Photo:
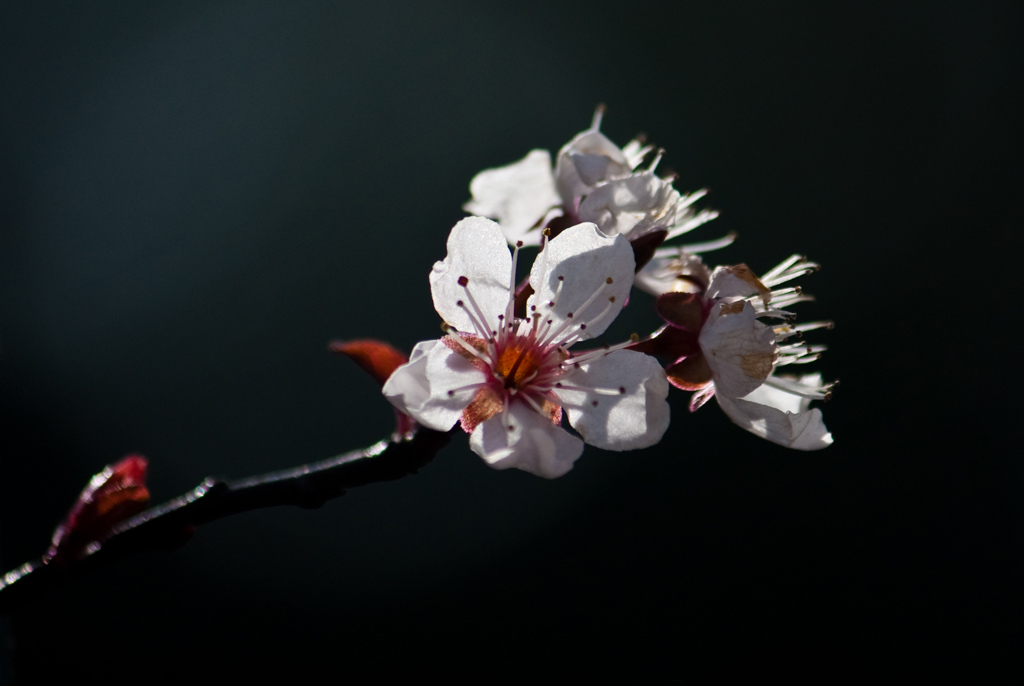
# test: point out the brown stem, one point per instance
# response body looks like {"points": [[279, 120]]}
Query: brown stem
{"points": [[170, 525]]}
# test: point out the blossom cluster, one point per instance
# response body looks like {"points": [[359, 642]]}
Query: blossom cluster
{"points": [[592, 180], [508, 379], [504, 370]]}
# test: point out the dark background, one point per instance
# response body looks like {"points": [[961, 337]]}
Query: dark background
{"points": [[195, 197]]}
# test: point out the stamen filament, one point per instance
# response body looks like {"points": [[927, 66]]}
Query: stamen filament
{"points": [[694, 248], [592, 355], [578, 333], [802, 359], [532, 403], [702, 217], [595, 390], [792, 268], [785, 297], [545, 239], [690, 198], [467, 387], [811, 392], [486, 332], [657, 160], [468, 348], [811, 326], [776, 314], [558, 292], [594, 296], [799, 349], [780, 268], [510, 308]]}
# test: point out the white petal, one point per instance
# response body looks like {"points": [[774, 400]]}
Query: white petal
{"points": [[790, 393], [585, 161], [656, 277], [802, 431], [728, 283], [408, 388], [778, 398], [523, 439], [476, 250], [517, 195], [624, 421], [419, 388], [586, 259], [661, 275], [634, 204], [739, 349]]}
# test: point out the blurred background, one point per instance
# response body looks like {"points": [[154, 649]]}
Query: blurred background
{"points": [[196, 197]]}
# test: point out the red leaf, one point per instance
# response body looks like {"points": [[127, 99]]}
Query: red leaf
{"points": [[113, 495], [377, 358]]}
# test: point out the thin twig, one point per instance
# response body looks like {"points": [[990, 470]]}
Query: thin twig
{"points": [[170, 525]]}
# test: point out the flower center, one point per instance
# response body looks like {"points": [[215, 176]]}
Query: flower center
{"points": [[519, 362]]}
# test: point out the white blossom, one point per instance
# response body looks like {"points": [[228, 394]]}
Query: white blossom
{"points": [[508, 380], [718, 344], [593, 180], [779, 411], [519, 196], [590, 159]]}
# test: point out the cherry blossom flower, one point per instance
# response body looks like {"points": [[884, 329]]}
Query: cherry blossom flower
{"points": [[521, 196], [509, 380], [717, 345], [593, 180], [779, 411]]}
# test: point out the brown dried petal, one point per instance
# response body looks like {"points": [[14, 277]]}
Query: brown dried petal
{"points": [[683, 310], [690, 374], [669, 344]]}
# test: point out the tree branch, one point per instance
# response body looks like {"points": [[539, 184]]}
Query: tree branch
{"points": [[171, 525]]}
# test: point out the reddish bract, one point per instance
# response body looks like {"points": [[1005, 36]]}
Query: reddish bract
{"points": [[379, 360], [113, 495], [376, 358]]}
